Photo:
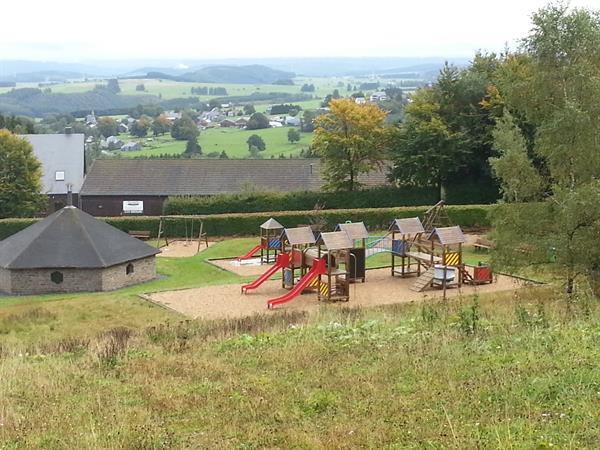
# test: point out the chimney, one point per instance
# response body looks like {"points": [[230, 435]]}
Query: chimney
{"points": [[69, 194], [68, 130]]}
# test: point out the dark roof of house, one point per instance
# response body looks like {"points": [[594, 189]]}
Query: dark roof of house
{"points": [[299, 236], [271, 224], [70, 238], [355, 230], [448, 235], [335, 240], [411, 225], [171, 177]]}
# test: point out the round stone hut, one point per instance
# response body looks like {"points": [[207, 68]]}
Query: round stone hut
{"points": [[71, 251]]}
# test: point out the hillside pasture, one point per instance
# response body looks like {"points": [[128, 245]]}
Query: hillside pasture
{"points": [[231, 140]]}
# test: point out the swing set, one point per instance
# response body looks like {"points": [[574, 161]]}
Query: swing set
{"points": [[192, 225]]}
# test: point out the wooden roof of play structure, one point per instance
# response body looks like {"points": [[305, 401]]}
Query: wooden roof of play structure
{"points": [[355, 230], [271, 224], [411, 225], [448, 235], [335, 240], [299, 236], [70, 238]]}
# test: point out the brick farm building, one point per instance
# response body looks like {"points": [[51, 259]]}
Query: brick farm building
{"points": [[71, 251]]}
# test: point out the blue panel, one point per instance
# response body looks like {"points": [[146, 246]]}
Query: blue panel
{"points": [[399, 247], [274, 243]]}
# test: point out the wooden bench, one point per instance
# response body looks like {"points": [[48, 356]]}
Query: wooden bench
{"points": [[140, 234], [483, 244]]}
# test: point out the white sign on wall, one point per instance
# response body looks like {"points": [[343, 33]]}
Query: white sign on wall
{"points": [[133, 207]]}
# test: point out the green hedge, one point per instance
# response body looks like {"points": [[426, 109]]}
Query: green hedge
{"points": [[467, 216], [300, 201], [384, 197]]}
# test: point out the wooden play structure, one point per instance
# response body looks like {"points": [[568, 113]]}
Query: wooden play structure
{"points": [[291, 260], [311, 265], [407, 261], [435, 258], [358, 234], [335, 248], [193, 227], [436, 217], [440, 254], [270, 243]]}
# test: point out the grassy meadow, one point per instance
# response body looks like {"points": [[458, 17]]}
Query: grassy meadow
{"points": [[231, 140], [109, 370]]}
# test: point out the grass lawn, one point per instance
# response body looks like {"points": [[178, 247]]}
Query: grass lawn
{"points": [[232, 140], [109, 370]]}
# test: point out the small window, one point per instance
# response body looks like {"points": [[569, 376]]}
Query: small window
{"points": [[59, 175], [56, 277], [129, 269]]}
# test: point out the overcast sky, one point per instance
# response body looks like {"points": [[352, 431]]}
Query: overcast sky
{"points": [[78, 31]]}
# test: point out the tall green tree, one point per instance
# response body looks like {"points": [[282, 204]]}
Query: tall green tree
{"points": [[351, 140], [293, 135], [256, 143], [553, 85], [446, 136], [107, 126], [20, 178], [257, 121]]}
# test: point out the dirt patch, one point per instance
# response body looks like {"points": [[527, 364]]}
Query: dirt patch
{"points": [[226, 301], [182, 249]]}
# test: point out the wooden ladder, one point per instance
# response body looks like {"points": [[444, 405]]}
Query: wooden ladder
{"points": [[423, 281]]}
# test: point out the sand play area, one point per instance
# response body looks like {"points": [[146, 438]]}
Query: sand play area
{"points": [[182, 249], [226, 301]]}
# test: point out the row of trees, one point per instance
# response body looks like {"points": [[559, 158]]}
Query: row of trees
{"points": [[527, 120]]}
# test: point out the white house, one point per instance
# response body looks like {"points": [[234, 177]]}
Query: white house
{"points": [[378, 96], [63, 164], [292, 121]]}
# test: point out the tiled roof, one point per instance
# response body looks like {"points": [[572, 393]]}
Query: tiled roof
{"points": [[70, 238], [448, 235], [299, 236], [271, 224], [355, 230], [335, 240], [411, 225], [206, 176]]}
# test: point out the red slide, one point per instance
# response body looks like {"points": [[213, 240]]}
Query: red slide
{"points": [[251, 253], [317, 269], [283, 260]]}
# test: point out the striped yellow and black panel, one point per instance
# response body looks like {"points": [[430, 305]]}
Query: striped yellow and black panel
{"points": [[313, 283], [324, 288], [452, 259]]}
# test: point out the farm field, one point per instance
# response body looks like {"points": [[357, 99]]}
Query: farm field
{"points": [[109, 370], [231, 140]]}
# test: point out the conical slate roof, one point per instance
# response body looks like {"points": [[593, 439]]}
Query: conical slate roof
{"points": [[70, 238]]}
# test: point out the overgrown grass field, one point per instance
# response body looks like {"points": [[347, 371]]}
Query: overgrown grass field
{"points": [[108, 370]]}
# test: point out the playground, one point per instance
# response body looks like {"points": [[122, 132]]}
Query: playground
{"points": [[299, 269], [225, 301]]}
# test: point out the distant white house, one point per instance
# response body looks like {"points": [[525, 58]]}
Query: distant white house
{"points": [[378, 96], [114, 143], [360, 100], [275, 124], [172, 116], [63, 164], [292, 121], [123, 128], [131, 146]]}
